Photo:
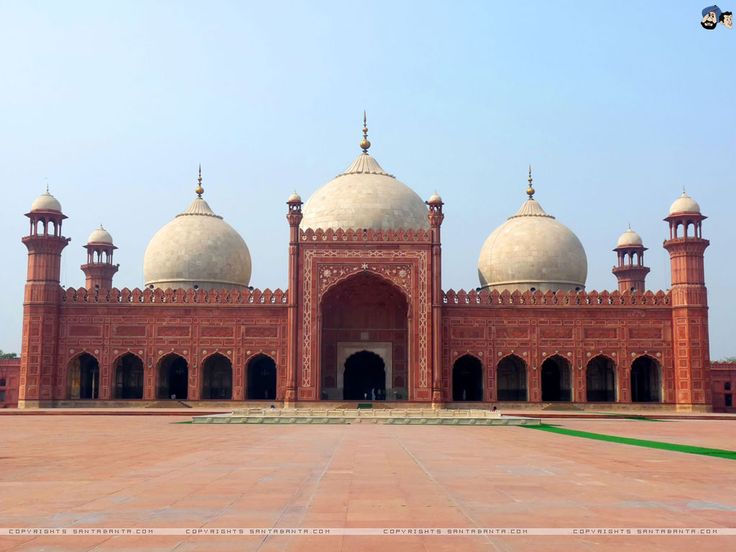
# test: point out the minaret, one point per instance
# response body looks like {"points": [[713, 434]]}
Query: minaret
{"points": [[630, 269], [99, 269], [294, 216], [41, 301], [686, 247], [435, 215]]}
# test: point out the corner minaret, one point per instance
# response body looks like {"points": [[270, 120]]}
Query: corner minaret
{"points": [[686, 247], [41, 301], [99, 269], [294, 216], [630, 269]]}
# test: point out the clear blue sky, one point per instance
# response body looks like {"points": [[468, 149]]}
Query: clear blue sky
{"points": [[616, 105]]}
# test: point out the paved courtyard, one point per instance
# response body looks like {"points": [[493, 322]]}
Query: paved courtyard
{"points": [[151, 471]]}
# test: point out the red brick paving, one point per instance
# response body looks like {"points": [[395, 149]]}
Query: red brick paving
{"points": [[147, 471]]}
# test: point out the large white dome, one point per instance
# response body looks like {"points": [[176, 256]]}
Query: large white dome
{"points": [[197, 249], [532, 250], [365, 196], [684, 204]]}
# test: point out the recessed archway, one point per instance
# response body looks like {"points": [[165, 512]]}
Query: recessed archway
{"points": [[511, 379], [364, 312], [646, 380], [364, 377], [261, 374], [556, 379], [84, 377], [600, 379], [129, 377], [217, 378], [467, 379], [173, 377]]}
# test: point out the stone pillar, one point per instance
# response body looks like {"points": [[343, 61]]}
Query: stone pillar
{"points": [[294, 216], [436, 217]]}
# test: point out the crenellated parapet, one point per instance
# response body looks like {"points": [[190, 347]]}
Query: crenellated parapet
{"points": [[365, 235], [559, 298], [176, 296]]}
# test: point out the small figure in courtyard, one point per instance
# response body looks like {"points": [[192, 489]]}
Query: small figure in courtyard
{"points": [[494, 409]]}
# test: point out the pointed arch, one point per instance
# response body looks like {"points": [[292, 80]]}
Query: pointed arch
{"points": [[172, 377], [556, 379], [511, 379], [600, 379], [646, 379], [217, 377], [128, 370], [83, 377], [467, 378], [260, 377]]}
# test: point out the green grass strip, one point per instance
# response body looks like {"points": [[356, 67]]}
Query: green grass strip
{"points": [[716, 453]]}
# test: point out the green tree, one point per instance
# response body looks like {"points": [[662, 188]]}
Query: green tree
{"points": [[728, 359], [7, 355]]}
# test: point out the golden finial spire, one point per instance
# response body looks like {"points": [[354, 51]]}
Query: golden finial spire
{"points": [[530, 190], [365, 143], [199, 190]]}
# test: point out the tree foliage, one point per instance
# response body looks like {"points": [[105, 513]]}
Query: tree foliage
{"points": [[3, 354]]}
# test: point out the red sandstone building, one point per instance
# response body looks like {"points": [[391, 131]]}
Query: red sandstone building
{"points": [[365, 316]]}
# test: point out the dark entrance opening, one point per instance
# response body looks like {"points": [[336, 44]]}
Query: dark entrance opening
{"points": [[645, 380], [600, 379], [556, 379], [365, 377], [173, 377], [467, 379], [84, 377], [217, 378], [261, 378], [511, 379], [129, 377]]}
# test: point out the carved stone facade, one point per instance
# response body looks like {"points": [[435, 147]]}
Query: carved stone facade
{"points": [[378, 290]]}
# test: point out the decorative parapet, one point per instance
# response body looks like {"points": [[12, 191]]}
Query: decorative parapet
{"points": [[560, 298], [365, 235], [176, 296]]}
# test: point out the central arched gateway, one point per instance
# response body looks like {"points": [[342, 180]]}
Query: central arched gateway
{"points": [[364, 377], [129, 377], [364, 314], [261, 378], [217, 377], [556, 379]]}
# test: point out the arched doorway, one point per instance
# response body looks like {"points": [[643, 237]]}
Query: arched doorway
{"points": [[600, 379], [217, 377], [365, 377], [364, 312], [129, 377], [173, 377], [511, 379], [646, 380], [467, 379], [556, 379], [261, 378], [84, 377]]}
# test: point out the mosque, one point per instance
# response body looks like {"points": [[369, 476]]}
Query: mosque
{"points": [[365, 317]]}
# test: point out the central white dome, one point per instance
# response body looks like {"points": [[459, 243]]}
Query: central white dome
{"points": [[365, 196], [197, 250], [532, 250]]}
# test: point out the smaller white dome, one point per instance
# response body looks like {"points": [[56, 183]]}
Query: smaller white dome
{"points": [[684, 204], [435, 198], [294, 198], [46, 202], [100, 235], [629, 238]]}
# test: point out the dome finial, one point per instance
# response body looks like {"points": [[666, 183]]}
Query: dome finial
{"points": [[530, 190], [199, 190], [365, 143]]}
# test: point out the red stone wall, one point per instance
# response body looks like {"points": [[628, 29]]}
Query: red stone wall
{"points": [[577, 326], [723, 381], [9, 382]]}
